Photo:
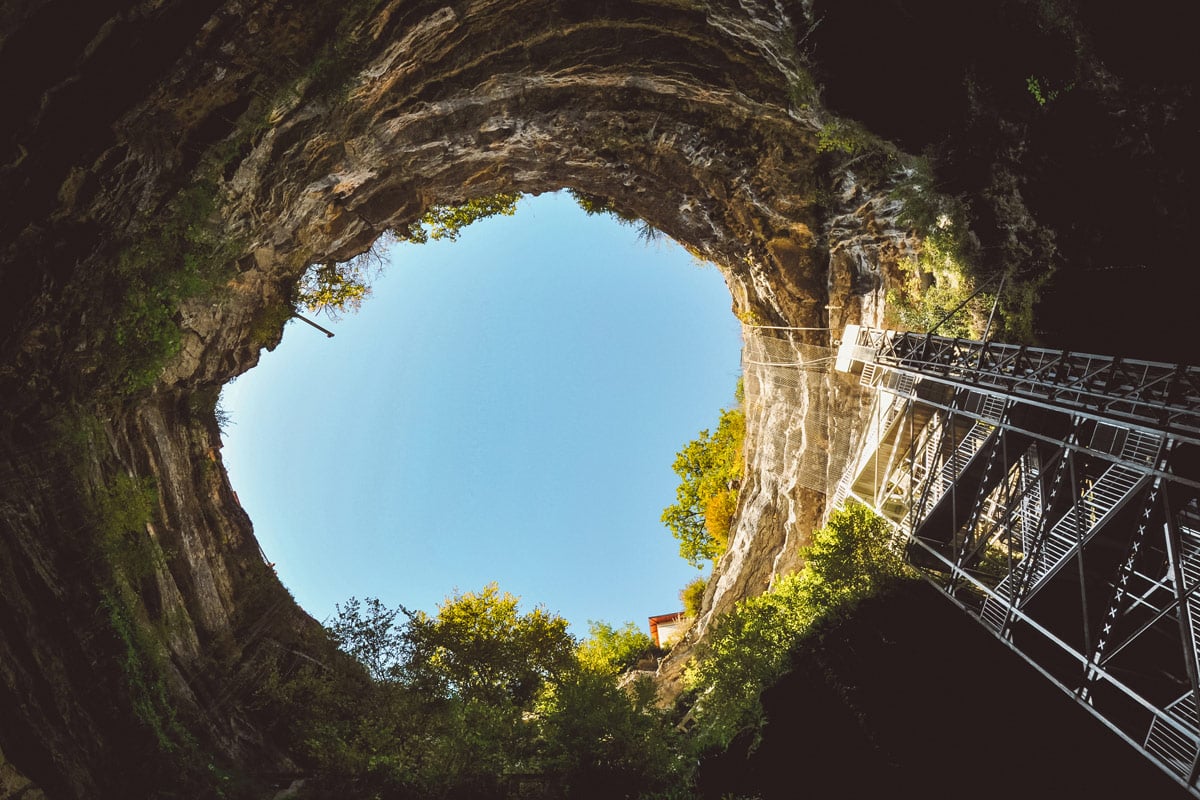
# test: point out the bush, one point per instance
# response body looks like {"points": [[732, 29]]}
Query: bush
{"points": [[749, 648], [718, 516], [692, 596], [603, 741], [613, 649], [180, 255], [936, 284], [710, 469]]}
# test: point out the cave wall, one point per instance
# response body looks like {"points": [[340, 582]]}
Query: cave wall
{"points": [[294, 133], [139, 644], [310, 130]]}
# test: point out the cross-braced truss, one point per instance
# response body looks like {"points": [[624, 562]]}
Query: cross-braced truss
{"points": [[1056, 497]]}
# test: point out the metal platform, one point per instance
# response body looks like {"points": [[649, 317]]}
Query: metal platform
{"points": [[1054, 496]]}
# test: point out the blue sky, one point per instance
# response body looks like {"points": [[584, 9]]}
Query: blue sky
{"points": [[503, 408]]}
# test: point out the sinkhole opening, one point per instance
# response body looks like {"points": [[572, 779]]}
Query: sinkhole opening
{"points": [[504, 408]]}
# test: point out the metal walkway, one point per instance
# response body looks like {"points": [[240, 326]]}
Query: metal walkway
{"points": [[1055, 496]]}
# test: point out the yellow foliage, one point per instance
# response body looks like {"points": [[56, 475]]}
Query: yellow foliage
{"points": [[718, 515], [710, 467], [692, 596]]}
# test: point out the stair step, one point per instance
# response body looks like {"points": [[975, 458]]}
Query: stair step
{"points": [[1170, 744], [1065, 536]]}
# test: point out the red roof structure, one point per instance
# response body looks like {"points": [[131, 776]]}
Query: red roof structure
{"points": [[670, 622]]}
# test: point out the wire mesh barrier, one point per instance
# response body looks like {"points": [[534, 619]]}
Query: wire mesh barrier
{"points": [[799, 408]]}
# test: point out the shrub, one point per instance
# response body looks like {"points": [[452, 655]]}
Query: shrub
{"points": [[613, 649], [749, 648], [936, 283], [692, 596], [179, 255], [122, 509], [718, 516], [710, 469]]}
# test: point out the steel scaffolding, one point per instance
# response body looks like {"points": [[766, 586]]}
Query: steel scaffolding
{"points": [[1054, 496]]}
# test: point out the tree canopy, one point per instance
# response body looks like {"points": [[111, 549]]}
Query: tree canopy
{"points": [[334, 288], [472, 700], [479, 647], [710, 469], [367, 630], [692, 596], [613, 649], [448, 221], [479, 697]]}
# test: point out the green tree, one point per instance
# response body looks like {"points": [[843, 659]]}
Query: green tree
{"points": [[479, 647], [448, 221], [368, 632], [457, 703], [615, 649], [440, 707], [361, 735], [850, 558], [710, 468], [335, 288], [515, 697], [601, 740], [746, 651]]}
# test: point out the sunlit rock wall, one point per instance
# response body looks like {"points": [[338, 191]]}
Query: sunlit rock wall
{"points": [[800, 413], [313, 128]]}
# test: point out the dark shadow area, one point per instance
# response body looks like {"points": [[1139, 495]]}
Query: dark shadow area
{"points": [[911, 698], [1085, 115]]}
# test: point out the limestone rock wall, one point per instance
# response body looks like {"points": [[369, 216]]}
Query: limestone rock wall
{"points": [[311, 128]]}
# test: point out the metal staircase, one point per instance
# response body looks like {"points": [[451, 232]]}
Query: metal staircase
{"points": [[1174, 736], [949, 472], [1029, 508], [1055, 496], [1087, 515], [1175, 744]]}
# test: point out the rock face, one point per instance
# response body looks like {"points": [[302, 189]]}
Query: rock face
{"points": [[170, 169], [306, 133]]}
